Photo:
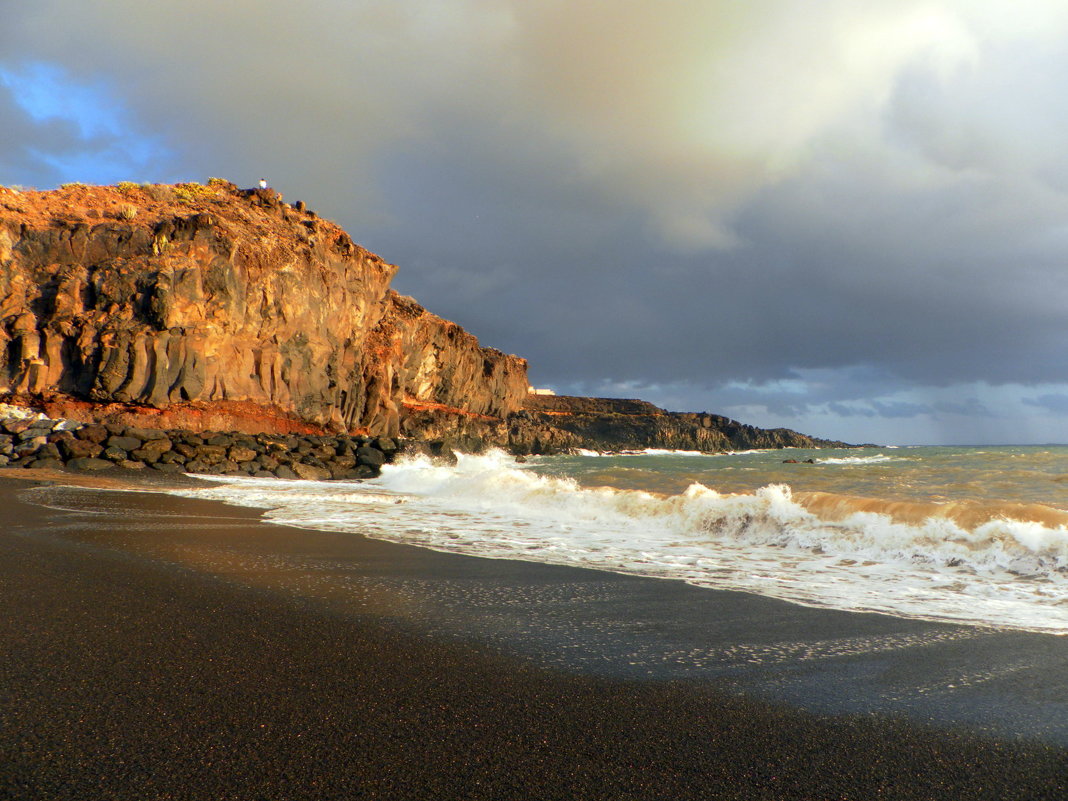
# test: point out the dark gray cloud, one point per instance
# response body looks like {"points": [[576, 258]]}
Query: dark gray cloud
{"points": [[880, 409], [969, 407], [679, 202], [1052, 403]]}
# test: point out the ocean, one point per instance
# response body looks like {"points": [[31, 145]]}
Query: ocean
{"points": [[967, 535]]}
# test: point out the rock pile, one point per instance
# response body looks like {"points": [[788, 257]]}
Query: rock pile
{"points": [[47, 443]]}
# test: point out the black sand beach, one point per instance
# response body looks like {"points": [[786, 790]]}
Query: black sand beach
{"points": [[178, 649]]}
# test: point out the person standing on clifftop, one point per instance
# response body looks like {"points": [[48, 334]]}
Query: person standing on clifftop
{"points": [[263, 183]]}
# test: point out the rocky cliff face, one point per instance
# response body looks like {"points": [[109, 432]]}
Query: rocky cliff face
{"points": [[214, 307]]}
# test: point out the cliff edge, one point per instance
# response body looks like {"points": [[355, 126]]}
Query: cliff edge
{"points": [[208, 306]]}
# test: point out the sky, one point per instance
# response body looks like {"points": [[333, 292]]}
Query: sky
{"points": [[847, 218]]}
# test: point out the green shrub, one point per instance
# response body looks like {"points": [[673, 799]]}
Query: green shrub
{"points": [[127, 211], [189, 192]]}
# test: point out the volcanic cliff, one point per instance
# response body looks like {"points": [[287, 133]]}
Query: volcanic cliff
{"points": [[209, 307]]}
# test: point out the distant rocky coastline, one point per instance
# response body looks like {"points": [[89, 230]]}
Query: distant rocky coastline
{"points": [[549, 424], [168, 314]]}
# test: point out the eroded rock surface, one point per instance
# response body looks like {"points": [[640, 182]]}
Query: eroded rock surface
{"points": [[208, 304]]}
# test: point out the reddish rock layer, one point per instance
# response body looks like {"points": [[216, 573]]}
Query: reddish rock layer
{"points": [[192, 302]]}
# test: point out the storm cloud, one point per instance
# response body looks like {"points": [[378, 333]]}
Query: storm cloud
{"points": [[837, 215]]}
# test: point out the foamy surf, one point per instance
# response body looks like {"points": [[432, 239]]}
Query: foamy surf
{"points": [[668, 452], [878, 458], [997, 572]]}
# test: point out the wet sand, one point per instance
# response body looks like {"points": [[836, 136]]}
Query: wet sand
{"points": [[158, 647]]}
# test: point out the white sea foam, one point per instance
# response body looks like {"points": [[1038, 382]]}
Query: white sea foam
{"points": [[648, 452], [665, 452], [668, 452], [1002, 573], [878, 458]]}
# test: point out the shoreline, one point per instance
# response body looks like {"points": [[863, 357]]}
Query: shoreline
{"points": [[163, 646], [32, 439]]}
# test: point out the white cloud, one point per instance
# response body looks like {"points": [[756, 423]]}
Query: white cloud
{"points": [[689, 109], [683, 110]]}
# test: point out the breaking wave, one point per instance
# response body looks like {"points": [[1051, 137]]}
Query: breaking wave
{"points": [[665, 452], [983, 564], [878, 458]]}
